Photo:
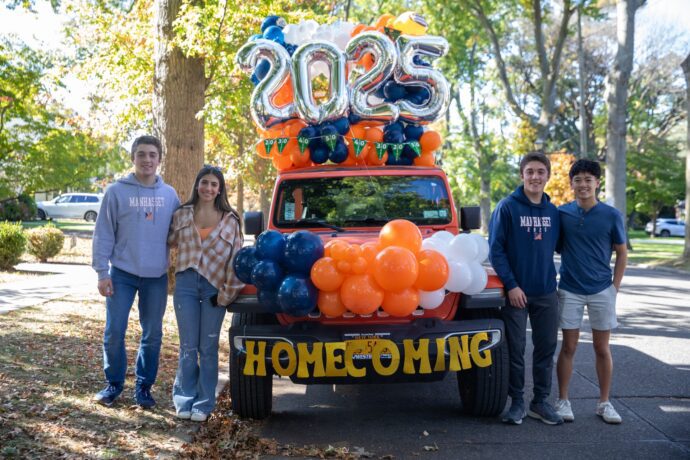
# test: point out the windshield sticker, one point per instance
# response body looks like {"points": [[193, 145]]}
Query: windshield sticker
{"points": [[289, 211], [431, 214]]}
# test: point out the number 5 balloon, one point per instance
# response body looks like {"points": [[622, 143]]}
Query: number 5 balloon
{"points": [[307, 107], [410, 74], [263, 111], [385, 58]]}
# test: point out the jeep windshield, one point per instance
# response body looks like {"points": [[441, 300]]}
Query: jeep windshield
{"points": [[361, 201]]}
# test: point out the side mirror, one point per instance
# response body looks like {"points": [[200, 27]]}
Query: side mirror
{"points": [[253, 223], [470, 218]]}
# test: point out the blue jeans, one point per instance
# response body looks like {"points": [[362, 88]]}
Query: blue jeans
{"points": [[199, 325], [153, 296]]}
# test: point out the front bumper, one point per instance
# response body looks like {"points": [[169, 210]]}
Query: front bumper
{"points": [[422, 350]]}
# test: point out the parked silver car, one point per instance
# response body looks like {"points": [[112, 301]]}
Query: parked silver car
{"points": [[71, 206], [667, 227]]}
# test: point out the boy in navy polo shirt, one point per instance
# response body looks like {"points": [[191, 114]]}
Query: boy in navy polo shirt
{"points": [[589, 231]]}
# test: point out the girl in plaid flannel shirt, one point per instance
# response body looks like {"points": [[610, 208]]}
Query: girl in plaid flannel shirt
{"points": [[206, 231]]}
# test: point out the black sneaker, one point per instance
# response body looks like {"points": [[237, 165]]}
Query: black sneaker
{"points": [[516, 413], [545, 412], [108, 395], [142, 394]]}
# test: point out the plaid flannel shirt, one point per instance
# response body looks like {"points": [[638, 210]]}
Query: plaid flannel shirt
{"points": [[212, 257]]}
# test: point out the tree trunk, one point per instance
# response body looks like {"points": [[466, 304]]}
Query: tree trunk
{"points": [[240, 197], [179, 86], [686, 70], [618, 103], [581, 86], [265, 202], [485, 199]]}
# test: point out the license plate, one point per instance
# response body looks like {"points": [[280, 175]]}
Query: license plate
{"points": [[365, 343]]}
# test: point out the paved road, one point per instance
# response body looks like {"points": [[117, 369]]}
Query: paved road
{"points": [[651, 390]]}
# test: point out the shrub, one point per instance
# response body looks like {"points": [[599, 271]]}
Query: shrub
{"points": [[45, 242], [12, 244], [16, 209]]}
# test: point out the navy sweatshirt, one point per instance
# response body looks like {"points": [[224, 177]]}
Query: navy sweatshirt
{"points": [[522, 240]]}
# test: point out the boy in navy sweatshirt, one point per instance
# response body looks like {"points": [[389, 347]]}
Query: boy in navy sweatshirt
{"points": [[130, 255], [523, 233]]}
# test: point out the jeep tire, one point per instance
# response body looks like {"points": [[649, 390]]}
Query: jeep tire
{"points": [[484, 390], [252, 396]]}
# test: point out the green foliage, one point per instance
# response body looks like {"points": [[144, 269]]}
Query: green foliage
{"points": [[17, 209], [12, 244], [45, 242]]}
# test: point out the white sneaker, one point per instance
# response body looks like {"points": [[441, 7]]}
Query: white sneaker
{"points": [[564, 409], [606, 411], [198, 417], [184, 415]]}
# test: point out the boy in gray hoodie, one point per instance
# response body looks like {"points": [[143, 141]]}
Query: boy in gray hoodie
{"points": [[130, 255]]}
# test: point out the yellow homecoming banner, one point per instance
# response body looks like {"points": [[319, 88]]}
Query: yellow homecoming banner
{"points": [[341, 359]]}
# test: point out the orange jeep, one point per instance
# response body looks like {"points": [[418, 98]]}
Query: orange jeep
{"points": [[463, 335]]}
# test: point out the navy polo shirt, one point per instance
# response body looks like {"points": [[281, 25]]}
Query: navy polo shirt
{"points": [[587, 239]]}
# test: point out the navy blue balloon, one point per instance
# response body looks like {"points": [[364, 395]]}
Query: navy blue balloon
{"points": [[393, 91], [339, 153], [404, 161], [297, 295], [255, 80], [413, 132], [391, 161], [270, 245], [395, 126], [379, 93], [408, 152], [274, 33], [302, 249], [244, 264], [342, 125], [269, 299], [262, 69], [267, 274], [318, 154], [272, 20], [290, 48], [309, 132], [394, 136], [316, 143], [354, 118], [417, 60], [328, 130]]}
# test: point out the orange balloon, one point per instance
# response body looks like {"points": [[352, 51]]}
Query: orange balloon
{"points": [[402, 233], [299, 159], [360, 294], [359, 266], [383, 20], [261, 150], [357, 131], [284, 94], [401, 303], [344, 267], [375, 135], [354, 252], [325, 275], [329, 303], [425, 159], [433, 270], [295, 126], [395, 268], [339, 250], [430, 141], [370, 250], [357, 30], [282, 162], [366, 61]]}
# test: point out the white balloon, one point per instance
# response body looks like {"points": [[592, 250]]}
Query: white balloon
{"points": [[317, 68], [464, 248], [479, 279], [482, 246], [431, 243], [431, 299], [444, 236], [459, 276], [291, 33]]}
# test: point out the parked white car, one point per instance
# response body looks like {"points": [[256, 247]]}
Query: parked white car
{"points": [[667, 227], [71, 206]]}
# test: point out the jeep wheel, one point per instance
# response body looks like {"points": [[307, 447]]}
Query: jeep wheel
{"points": [[484, 390], [252, 397], [41, 214], [90, 216]]}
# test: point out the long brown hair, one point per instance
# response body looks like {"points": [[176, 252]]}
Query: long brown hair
{"points": [[221, 202]]}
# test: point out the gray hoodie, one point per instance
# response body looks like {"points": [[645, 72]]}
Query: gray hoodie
{"points": [[132, 228]]}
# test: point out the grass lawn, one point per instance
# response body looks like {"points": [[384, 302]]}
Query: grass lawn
{"points": [[655, 251], [66, 225]]}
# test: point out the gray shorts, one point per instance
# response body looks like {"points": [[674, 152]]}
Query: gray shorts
{"points": [[601, 308]]}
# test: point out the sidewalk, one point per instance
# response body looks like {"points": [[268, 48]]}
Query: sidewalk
{"points": [[63, 279]]}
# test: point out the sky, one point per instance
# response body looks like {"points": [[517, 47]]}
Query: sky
{"points": [[43, 29]]}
